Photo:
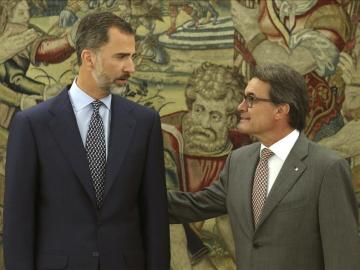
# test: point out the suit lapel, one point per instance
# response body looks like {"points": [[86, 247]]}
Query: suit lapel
{"points": [[121, 132], [290, 172], [246, 171], [66, 132]]}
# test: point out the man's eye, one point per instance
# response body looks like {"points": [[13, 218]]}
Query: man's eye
{"points": [[250, 98], [121, 56], [215, 117]]}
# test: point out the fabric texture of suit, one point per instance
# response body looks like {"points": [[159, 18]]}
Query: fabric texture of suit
{"points": [[309, 220], [51, 218]]}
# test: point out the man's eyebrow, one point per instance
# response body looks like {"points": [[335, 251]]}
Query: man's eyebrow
{"points": [[121, 54], [124, 54]]}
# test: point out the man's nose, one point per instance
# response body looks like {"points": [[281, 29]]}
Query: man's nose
{"points": [[205, 121], [242, 107], [130, 66]]}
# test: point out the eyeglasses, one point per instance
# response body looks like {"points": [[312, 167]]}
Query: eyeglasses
{"points": [[250, 99]]}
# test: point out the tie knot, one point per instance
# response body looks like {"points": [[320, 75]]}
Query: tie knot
{"points": [[266, 153], [96, 105]]}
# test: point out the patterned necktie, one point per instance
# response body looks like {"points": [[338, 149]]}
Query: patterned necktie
{"points": [[260, 184], [96, 151]]}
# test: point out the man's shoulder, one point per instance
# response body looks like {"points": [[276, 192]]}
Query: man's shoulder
{"points": [[319, 152], [134, 108], [40, 110], [314, 155]]}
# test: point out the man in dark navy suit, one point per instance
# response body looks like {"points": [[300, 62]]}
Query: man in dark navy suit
{"points": [[85, 184]]}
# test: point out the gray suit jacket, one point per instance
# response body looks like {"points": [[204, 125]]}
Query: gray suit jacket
{"points": [[309, 220]]}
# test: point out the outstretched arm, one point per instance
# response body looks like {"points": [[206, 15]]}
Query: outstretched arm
{"points": [[185, 207]]}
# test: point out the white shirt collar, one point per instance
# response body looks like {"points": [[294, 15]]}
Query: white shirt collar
{"points": [[283, 147], [80, 99]]}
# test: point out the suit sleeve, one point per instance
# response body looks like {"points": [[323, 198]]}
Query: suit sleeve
{"points": [[186, 207], [154, 203], [19, 197], [338, 219]]}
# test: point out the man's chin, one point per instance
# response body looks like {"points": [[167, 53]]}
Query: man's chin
{"points": [[245, 131], [242, 127], [118, 89]]}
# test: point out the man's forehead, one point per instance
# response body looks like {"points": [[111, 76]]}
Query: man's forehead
{"points": [[115, 31], [119, 41], [256, 86]]}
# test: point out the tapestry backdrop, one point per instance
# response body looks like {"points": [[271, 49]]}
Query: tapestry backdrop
{"points": [[187, 53]]}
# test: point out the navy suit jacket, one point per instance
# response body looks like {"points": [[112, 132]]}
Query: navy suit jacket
{"points": [[50, 218]]}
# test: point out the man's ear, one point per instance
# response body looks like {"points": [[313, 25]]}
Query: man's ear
{"points": [[282, 110], [88, 58]]}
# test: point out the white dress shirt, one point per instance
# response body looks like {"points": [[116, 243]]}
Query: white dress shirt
{"points": [[281, 150], [81, 103]]}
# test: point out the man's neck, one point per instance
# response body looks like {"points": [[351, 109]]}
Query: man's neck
{"points": [[88, 84], [271, 138]]}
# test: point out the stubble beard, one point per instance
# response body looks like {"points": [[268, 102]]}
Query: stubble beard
{"points": [[105, 83], [118, 89]]}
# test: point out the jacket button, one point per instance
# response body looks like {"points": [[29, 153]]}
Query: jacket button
{"points": [[95, 254]]}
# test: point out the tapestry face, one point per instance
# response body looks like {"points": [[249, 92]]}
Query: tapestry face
{"points": [[193, 61]]}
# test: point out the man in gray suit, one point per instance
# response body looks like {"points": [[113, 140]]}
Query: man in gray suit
{"points": [[290, 201]]}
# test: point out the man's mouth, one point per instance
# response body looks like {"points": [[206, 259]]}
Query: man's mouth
{"points": [[122, 79], [202, 134], [244, 118]]}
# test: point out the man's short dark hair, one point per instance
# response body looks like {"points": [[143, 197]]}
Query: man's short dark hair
{"points": [[287, 86], [93, 30]]}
